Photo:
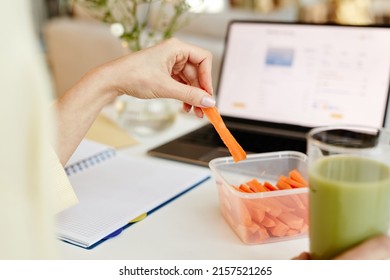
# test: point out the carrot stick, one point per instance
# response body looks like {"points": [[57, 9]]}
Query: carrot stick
{"points": [[256, 204], [256, 186], [236, 188], [295, 184], [293, 221], [262, 233], [257, 214], [245, 188], [215, 119], [298, 201], [252, 234], [270, 187], [282, 185], [244, 217], [295, 175], [280, 229], [292, 232], [305, 228], [268, 222], [273, 207]]}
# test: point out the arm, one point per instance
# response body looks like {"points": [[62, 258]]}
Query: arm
{"points": [[171, 69]]}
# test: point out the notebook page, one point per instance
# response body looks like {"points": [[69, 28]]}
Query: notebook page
{"points": [[118, 190]]}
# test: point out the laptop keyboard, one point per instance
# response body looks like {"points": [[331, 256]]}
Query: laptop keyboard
{"points": [[250, 141]]}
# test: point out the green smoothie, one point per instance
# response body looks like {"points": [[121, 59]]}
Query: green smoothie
{"points": [[349, 202]]}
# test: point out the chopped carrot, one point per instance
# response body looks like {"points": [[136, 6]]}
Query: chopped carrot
{"points": [[252, 234], [293, 201], [304, 229], [298, 201], [256, 203], [304, 198], [282, 185], [295, 184], [273, 207], [292, 232], [245, 188], [257, 214], [280, 229], [257, 219], [268, 222], [277, 202], [256, 186], [262, 233], [291, 220], [295, 175], [235, 149], [269, 186], [244, 217], [304, 214]]}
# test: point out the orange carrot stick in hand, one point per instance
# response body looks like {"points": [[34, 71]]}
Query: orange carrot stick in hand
{"points": [[215, 119]]}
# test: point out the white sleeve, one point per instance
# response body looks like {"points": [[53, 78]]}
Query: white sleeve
{"points": [[63, 189]]}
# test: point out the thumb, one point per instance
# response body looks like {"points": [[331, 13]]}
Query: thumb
{"points": [[191, 95]]}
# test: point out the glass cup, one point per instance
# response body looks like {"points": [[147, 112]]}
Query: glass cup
{"points": [[145, 117], [349, 178]]}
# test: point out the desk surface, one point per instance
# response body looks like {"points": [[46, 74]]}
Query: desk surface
{"points": [[190, 227]]}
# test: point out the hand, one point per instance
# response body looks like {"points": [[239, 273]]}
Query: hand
{"points": [[376, 248], [171, 69]]}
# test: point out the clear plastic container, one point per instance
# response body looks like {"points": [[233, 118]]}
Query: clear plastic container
{"points": [[262, 217]]}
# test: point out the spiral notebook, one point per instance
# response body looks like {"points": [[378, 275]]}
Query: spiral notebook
{"points": [[113, 189]]}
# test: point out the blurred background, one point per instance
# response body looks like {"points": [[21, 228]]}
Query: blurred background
{"points": [[343, 11], [73, 42]]}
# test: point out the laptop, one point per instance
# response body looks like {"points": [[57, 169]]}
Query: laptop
{"points": [[279, 80]]}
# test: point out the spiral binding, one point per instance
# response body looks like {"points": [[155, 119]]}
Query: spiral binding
{"points": [[89, 162]]}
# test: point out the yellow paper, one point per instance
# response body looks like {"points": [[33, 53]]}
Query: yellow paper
{"points": [[107, 132]]}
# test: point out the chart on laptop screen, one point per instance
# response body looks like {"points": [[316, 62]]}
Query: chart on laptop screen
{"points": [[306, 75]]}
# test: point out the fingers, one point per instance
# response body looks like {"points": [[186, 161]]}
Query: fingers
{"points": [[189, 55], [198, 112], [302, 256], [189, 94], [174, 70], [377, 248], [189, 75]]}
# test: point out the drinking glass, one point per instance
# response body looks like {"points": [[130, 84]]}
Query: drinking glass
{"points": [[146, 117], [349, 178]]}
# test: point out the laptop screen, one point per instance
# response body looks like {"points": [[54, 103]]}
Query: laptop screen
{"points": [[305, 75]]}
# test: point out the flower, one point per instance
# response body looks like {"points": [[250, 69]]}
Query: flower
{"points": [[117, 29], [140, 23]]}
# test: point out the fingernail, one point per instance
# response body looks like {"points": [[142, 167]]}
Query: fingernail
{"points": [[199, 114], [207, 101]]}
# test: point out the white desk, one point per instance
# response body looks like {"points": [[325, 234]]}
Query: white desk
{"points": [[190, 227]]}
